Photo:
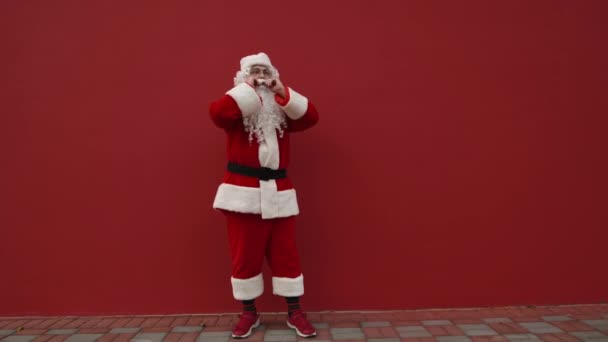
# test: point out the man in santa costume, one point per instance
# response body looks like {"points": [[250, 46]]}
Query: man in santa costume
{"points": [[256, 196]]}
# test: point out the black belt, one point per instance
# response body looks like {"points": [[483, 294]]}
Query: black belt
{"points": [[263, 173]]}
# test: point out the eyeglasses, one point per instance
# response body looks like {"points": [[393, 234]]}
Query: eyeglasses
{"points": [[256, 71]]}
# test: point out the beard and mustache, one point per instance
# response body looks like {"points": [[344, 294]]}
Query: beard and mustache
{"points": [[268, 118]]}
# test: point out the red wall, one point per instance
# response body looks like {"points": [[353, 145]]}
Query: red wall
{"points": [[460, 159]]}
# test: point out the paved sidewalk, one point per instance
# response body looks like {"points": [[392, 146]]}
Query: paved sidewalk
{"points": [[547, 323]]}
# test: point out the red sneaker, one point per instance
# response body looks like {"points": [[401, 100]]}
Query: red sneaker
{"points": [[302, 326], [247, 321]]}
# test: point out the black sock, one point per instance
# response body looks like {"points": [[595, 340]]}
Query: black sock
{"points": [[249, 305], [293, 304]]}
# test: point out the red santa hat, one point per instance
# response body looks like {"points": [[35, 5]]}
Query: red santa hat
{"points": [[257, 59]]}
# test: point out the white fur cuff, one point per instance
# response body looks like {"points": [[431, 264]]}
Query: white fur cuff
{"points": [[246, 98], [288, 287], [297, 105], [247, 289]]}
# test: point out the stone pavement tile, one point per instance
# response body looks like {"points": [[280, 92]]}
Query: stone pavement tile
{"points": [[406, 323], [387, 339], [15, 323], [43, 338], [560, 337], [22, 338], [180, 321], [30, 332], [5, 332], [149, 337], [379, 316], [208, 320], [590, 336], [120, 323], [107, 338], [522, 337], [122, 337], [224, 329], [156, 329], [60, 322], [467, 321], [497, 320], [380, 332], [164, 322], [256, 336], [93, 331], [106, 323], [477, 329], [418, 339], [280, 335], [84, 338], [124, 330], [489, 339], [345, 325], [375, 324], [527, 319], [51, 323], [195, 320], [320, 325], [31, 324], [280, 338], [541, 328], [171, 337], [214, 336], [135, 322], [445, 330], [436, 322], [189, 337], [453, 339], [355, 317], [573, 326], [226, 320], [599, 324], [413, 331], [182, 329], [90, 322], [149, 322], [508, 328], [62, 331], [561, 318], [346, 333]]}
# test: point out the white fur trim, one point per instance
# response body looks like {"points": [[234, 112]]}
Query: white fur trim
{"points": [[297, 105], [246, 98], [269, 199], [268, 152], [288, 287], [257, 59], [246, 289], [244, 199]]}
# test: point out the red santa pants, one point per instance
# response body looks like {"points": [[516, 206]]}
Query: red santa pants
{"points": [[252, 238]]}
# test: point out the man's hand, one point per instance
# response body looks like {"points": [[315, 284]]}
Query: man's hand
{"points": [[275, 85], [278, 88]]}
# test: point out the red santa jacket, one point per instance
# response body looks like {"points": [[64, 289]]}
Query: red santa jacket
{"points": [[239, 193]]}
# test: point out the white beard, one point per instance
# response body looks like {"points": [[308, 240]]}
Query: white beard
{"points": [[270, 117]]}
